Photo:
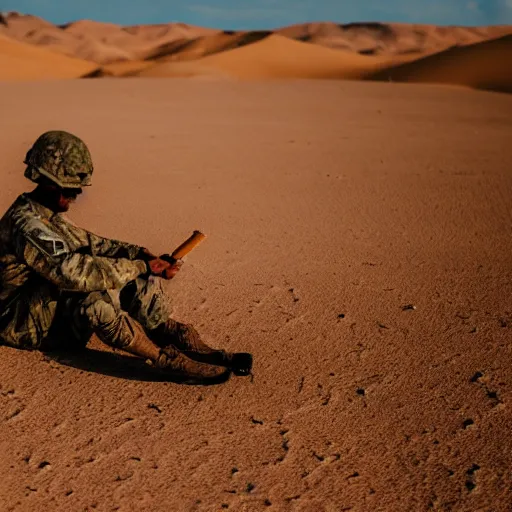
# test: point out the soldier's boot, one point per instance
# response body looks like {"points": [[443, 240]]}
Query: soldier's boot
{"points": [[186, 339], [128, 335]]}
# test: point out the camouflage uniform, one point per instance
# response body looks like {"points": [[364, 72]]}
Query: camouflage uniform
{"points": [[51, 269]]}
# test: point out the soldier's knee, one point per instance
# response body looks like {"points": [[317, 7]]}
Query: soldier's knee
{"points": [[139, 290], [145, 300], [99, 309]]}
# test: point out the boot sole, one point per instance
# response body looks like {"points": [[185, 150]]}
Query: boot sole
{"points": [[180, 378], [240, 366]]}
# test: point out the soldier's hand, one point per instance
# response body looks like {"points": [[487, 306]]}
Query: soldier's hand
{"points": [[159, 267], [172, 270]]}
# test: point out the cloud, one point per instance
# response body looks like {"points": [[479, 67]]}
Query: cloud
{"points": [[473, 6]]}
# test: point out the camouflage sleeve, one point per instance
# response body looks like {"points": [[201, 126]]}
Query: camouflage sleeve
{"points": [[112, 248], [49, 255]]}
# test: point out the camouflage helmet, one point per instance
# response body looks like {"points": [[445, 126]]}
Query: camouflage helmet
{"points": [[61, 157]]}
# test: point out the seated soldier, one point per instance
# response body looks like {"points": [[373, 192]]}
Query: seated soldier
{"points": [[59, 283]]}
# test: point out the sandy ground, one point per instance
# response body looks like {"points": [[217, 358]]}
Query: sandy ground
{"points": [[358, 244]]}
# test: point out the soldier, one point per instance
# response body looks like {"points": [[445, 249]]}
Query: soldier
{"points": [[59, 283]]}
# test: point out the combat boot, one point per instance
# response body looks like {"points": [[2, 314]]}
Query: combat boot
{"points": [[185, 338], [134, 340], [172, 360]]}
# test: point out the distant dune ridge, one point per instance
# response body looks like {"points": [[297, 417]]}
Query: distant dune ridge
{"points": [[469, 56], [28, 62], [274, 57], [98, 42], [190, 49], [390, 38]]}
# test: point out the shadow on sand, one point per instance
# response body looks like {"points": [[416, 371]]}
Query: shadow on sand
{"points": [[120, 366]]}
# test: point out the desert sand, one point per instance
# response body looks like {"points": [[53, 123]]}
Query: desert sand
{"points": [[358, 245]]}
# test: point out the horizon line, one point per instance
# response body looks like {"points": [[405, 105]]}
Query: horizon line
{"points": [[320, 21]]}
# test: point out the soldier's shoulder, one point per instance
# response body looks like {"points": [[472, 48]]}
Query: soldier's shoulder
{"points": [[21, 211], [29, 225]]}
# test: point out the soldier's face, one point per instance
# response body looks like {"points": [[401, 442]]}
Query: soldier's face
{"points": [[66, 197]]}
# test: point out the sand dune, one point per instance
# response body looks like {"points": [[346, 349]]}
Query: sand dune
{"points": [[20, 61], [121, 69], [486, 65], [390, 38], [470, 56], [206, 45], [99, 42], [38, 32], [181, 41], [482, 65], [22, 25], [274, 57], [138, 41], [172, 31]]}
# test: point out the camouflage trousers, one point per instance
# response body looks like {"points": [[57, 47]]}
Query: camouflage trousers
{"points": [[105, 313]]}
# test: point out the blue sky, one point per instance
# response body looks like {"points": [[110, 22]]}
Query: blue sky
{"points": [[253, 14]]}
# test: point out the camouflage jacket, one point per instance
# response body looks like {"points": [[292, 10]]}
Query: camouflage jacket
{"points": [[42, 255]]}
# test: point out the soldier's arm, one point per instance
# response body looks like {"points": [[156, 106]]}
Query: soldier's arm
{"points": [[110, 248], [101, 246], [49, 255]]}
